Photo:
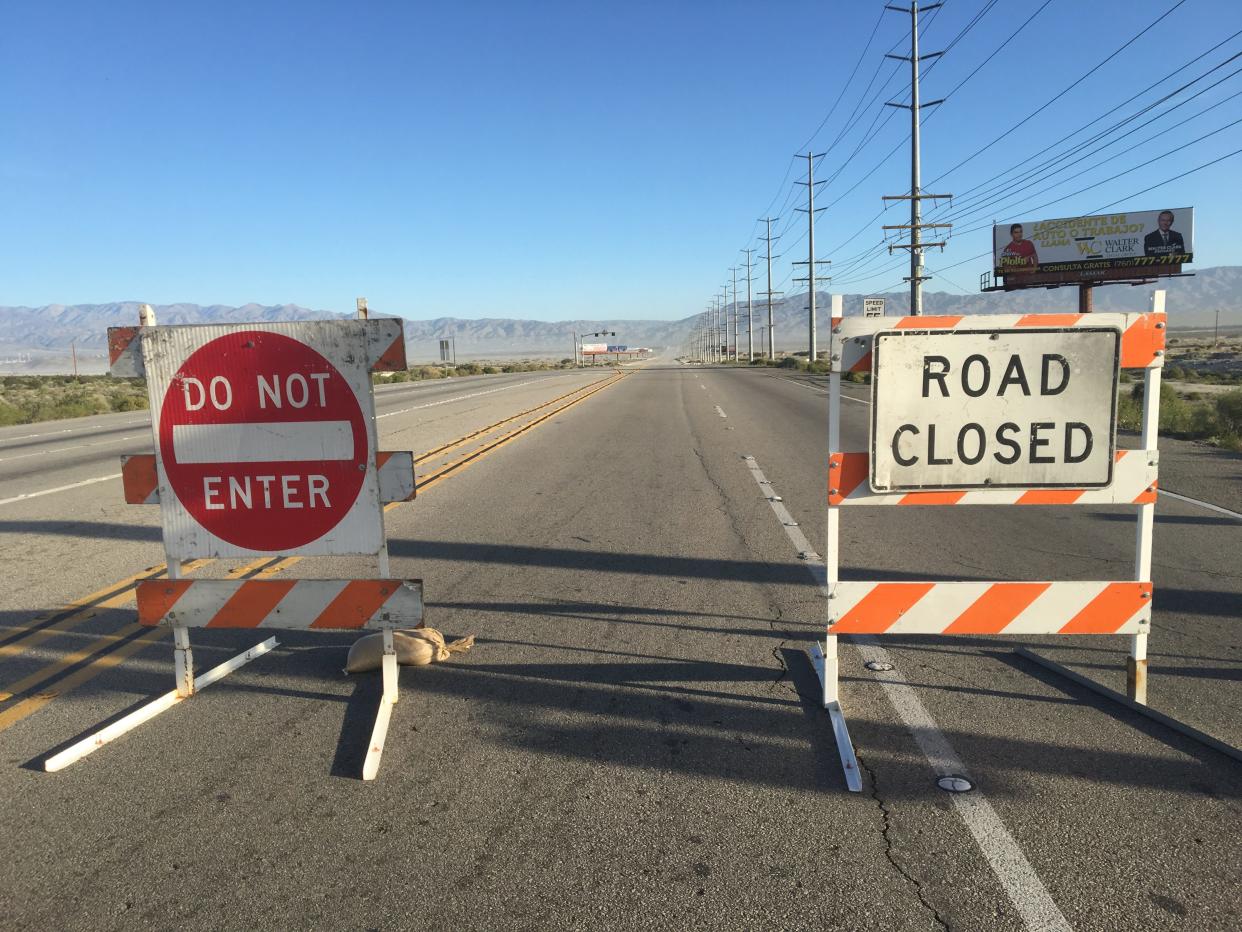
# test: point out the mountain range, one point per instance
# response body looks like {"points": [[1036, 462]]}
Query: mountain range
{"points": [[39, 339]]}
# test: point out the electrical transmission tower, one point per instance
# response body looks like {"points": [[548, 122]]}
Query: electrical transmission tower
{"points": [[734, 270], [916, 195], [770, 294], [811, 263], [750, 312]]}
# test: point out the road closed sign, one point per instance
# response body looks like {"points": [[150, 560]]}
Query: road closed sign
{"points": [[966, 409], [265, 439]]}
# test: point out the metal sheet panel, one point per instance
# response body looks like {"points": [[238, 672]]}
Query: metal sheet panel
{"points": [[265, 496], [999, 409]]}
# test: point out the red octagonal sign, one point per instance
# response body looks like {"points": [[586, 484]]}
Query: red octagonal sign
{"points": [[263, 441]]}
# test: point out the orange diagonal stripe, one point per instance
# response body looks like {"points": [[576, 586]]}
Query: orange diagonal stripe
{"points": [[157, 596], [880, 608], [356, 603], [849, 474], [863, 364], [1050, 320], [1109, 610], [1140, 343], [251, 603], [928, 323], [999, 605], [1049, 497], [931, 498], [138, 478]]}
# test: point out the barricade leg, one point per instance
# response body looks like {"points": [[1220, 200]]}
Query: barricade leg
{"points": [[183, 661], [1136, 662], [825, 659], [94, 742], [375, 750]]}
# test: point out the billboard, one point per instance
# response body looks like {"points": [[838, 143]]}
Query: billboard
{"points": [[1144, 242], [612, 348], [593, 349]]}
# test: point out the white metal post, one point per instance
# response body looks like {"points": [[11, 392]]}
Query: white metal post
{"points": [[1136, 663], [183, 655], [831, 546]]}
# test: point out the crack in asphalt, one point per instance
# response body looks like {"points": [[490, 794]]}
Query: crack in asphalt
{"points": [[886, 830]]}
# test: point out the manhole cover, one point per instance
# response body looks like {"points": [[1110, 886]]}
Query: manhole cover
{"points": [[955, 783], [879, 666]]}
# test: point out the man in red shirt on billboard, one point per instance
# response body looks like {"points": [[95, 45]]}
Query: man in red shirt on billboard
{"points": [[1018, 256]]}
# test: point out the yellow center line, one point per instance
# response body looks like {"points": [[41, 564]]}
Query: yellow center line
{"points": [[100, 645], [32, 704], [59, 622], [135, 639]]}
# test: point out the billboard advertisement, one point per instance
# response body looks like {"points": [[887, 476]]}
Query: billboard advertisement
{"points": [[1142, 241], [617, 349], [594, 349]]}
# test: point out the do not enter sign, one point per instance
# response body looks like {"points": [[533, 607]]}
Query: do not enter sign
{"points": [[265, 440], [962, 409]]}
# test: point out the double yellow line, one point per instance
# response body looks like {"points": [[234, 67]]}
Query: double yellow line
{"points": [[110, 650]]}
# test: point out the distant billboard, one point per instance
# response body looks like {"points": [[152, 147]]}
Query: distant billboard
{"points": [[613, 348], [594, 349], [1142, 243]]}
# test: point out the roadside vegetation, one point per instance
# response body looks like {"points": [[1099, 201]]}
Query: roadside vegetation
{"points": [[422, 373], [1214, 418], [25, 399]]}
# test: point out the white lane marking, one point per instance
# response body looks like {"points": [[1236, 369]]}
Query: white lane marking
{"points": [[720, 411], [1026, 891], [1207, 505], [819, 391], [71, 430], [704, 387], [76, 446], [59, 488], [445, 401]]}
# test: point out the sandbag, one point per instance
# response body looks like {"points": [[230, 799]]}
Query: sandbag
{"points": [[416, 647]]}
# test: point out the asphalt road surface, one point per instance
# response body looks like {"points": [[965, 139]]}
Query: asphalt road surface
{"points": [[635, 741]]}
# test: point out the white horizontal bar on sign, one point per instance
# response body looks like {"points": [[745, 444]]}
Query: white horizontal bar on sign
{"points": [[1134, 483], [982, 608], [263, 442]]}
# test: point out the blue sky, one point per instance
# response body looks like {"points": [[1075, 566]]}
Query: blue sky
{"points": [[549, 159]]}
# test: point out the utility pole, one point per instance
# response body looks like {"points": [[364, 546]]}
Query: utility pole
{"points": [[73, 348], [770, 293], [735, 347], [916, 195], [1215, 335], [724, 322], [811, 263], [750, 312]]}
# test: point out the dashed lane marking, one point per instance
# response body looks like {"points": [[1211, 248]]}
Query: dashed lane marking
{"points": [[59, 488], [720, 411], [1026, 891]]}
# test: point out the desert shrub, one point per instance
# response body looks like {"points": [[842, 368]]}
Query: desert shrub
{"points": [[790, 362], [1228, 409]]}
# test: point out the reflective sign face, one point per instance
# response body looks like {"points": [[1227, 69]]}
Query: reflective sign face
{"points": [[1025, 408], [264, 439]]}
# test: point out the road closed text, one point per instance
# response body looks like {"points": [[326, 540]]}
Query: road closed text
{"points": [[1019, 408]]}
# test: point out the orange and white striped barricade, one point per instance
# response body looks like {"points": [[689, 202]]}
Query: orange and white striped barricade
{"points": [[1012, 409], [265, 445]]}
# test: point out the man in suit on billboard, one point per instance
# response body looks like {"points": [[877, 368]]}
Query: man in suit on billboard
{"points": [[1164, 241]]}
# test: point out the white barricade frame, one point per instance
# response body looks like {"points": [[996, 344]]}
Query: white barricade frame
{"points": [[1000, 607], [311, 604]]}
